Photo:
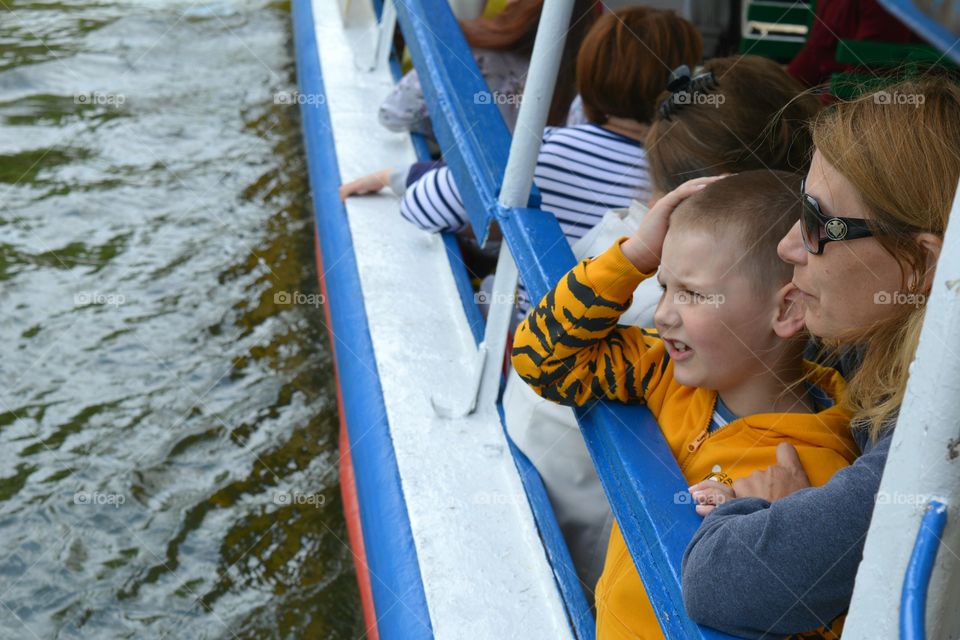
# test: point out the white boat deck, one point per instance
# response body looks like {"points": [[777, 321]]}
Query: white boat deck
{"points": [[484, 569]]}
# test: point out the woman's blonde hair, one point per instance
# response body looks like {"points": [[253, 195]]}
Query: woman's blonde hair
{"points": [[898, 147]]}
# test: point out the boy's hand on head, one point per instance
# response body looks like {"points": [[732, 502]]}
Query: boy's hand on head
{"points": [[644, 247], [367, 184], [707, 495], [776, 481]]}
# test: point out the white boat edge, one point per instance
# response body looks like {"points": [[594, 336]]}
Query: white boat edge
{"points": [[484, 569]]}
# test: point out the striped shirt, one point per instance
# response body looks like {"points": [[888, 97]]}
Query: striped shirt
{"points": [[582, 172], [722, 415]]}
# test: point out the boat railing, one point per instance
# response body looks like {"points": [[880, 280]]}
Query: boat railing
{"points": [[493, 172]]}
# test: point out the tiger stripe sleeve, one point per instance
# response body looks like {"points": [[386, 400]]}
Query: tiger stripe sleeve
{"points": [[570, 350]]}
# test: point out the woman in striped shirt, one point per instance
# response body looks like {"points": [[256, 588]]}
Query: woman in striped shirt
{"points": [[582, 172]]}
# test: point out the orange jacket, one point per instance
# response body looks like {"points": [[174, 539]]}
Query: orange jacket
{"points": [[570, 350]]}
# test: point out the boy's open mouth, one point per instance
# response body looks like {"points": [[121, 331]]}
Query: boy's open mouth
{"points": [[678, 350]]}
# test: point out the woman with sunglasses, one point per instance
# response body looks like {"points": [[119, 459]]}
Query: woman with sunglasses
{"points": [[782, 557]]}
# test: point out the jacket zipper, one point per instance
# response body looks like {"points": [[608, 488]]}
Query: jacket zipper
{"points": [[697, 442]]}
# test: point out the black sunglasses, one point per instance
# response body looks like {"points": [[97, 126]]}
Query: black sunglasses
{"points": [[818, 229]]}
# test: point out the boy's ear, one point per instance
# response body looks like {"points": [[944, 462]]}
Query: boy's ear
{"points": [[789, 319]]}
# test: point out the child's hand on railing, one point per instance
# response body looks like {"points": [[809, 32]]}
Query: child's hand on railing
{"points": [[644, 247], [367, 184], [709, 494]]}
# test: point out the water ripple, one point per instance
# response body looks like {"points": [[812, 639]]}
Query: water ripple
{"points": [[168, 450]]}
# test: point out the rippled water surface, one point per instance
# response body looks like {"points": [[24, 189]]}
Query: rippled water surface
{"points": [[167, 424]]}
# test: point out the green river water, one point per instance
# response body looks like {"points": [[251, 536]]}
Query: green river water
{"points": [[168, 425]]}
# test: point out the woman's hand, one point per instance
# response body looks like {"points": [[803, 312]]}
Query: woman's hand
{"points": [[644, 247], [707, 495], [776, 481], [367, 184]]}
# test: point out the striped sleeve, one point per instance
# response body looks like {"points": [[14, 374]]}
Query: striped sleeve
{"points": [[570, 350], [433, 202]]}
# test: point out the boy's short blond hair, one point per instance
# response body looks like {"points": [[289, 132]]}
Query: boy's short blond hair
{"points": [[753, 210]]}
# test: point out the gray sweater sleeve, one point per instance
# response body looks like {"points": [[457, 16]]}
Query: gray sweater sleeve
{"points": [[756, 568]]}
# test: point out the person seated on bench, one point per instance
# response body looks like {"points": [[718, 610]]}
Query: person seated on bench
{"points": [[501, 46]]}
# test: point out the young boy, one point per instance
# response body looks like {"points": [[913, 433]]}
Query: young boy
{"points": [[723, 372]]}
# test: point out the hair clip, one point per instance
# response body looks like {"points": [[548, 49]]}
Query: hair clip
{"points": [[683, 87], [679, 79], [703, 83]]}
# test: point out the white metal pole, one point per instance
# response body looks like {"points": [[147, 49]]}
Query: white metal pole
{"points": [[537, 95], [384, 36], [924, 464], [518, 178]]}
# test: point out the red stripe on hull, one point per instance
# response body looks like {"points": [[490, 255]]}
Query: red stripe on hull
{"points": [[348, 487]]}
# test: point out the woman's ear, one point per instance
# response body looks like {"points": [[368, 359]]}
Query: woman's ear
{"points": [[931, 245], [788, 321]]}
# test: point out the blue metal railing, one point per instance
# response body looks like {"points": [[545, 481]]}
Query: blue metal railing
{"points": [[636, 467], [913, 602]]}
